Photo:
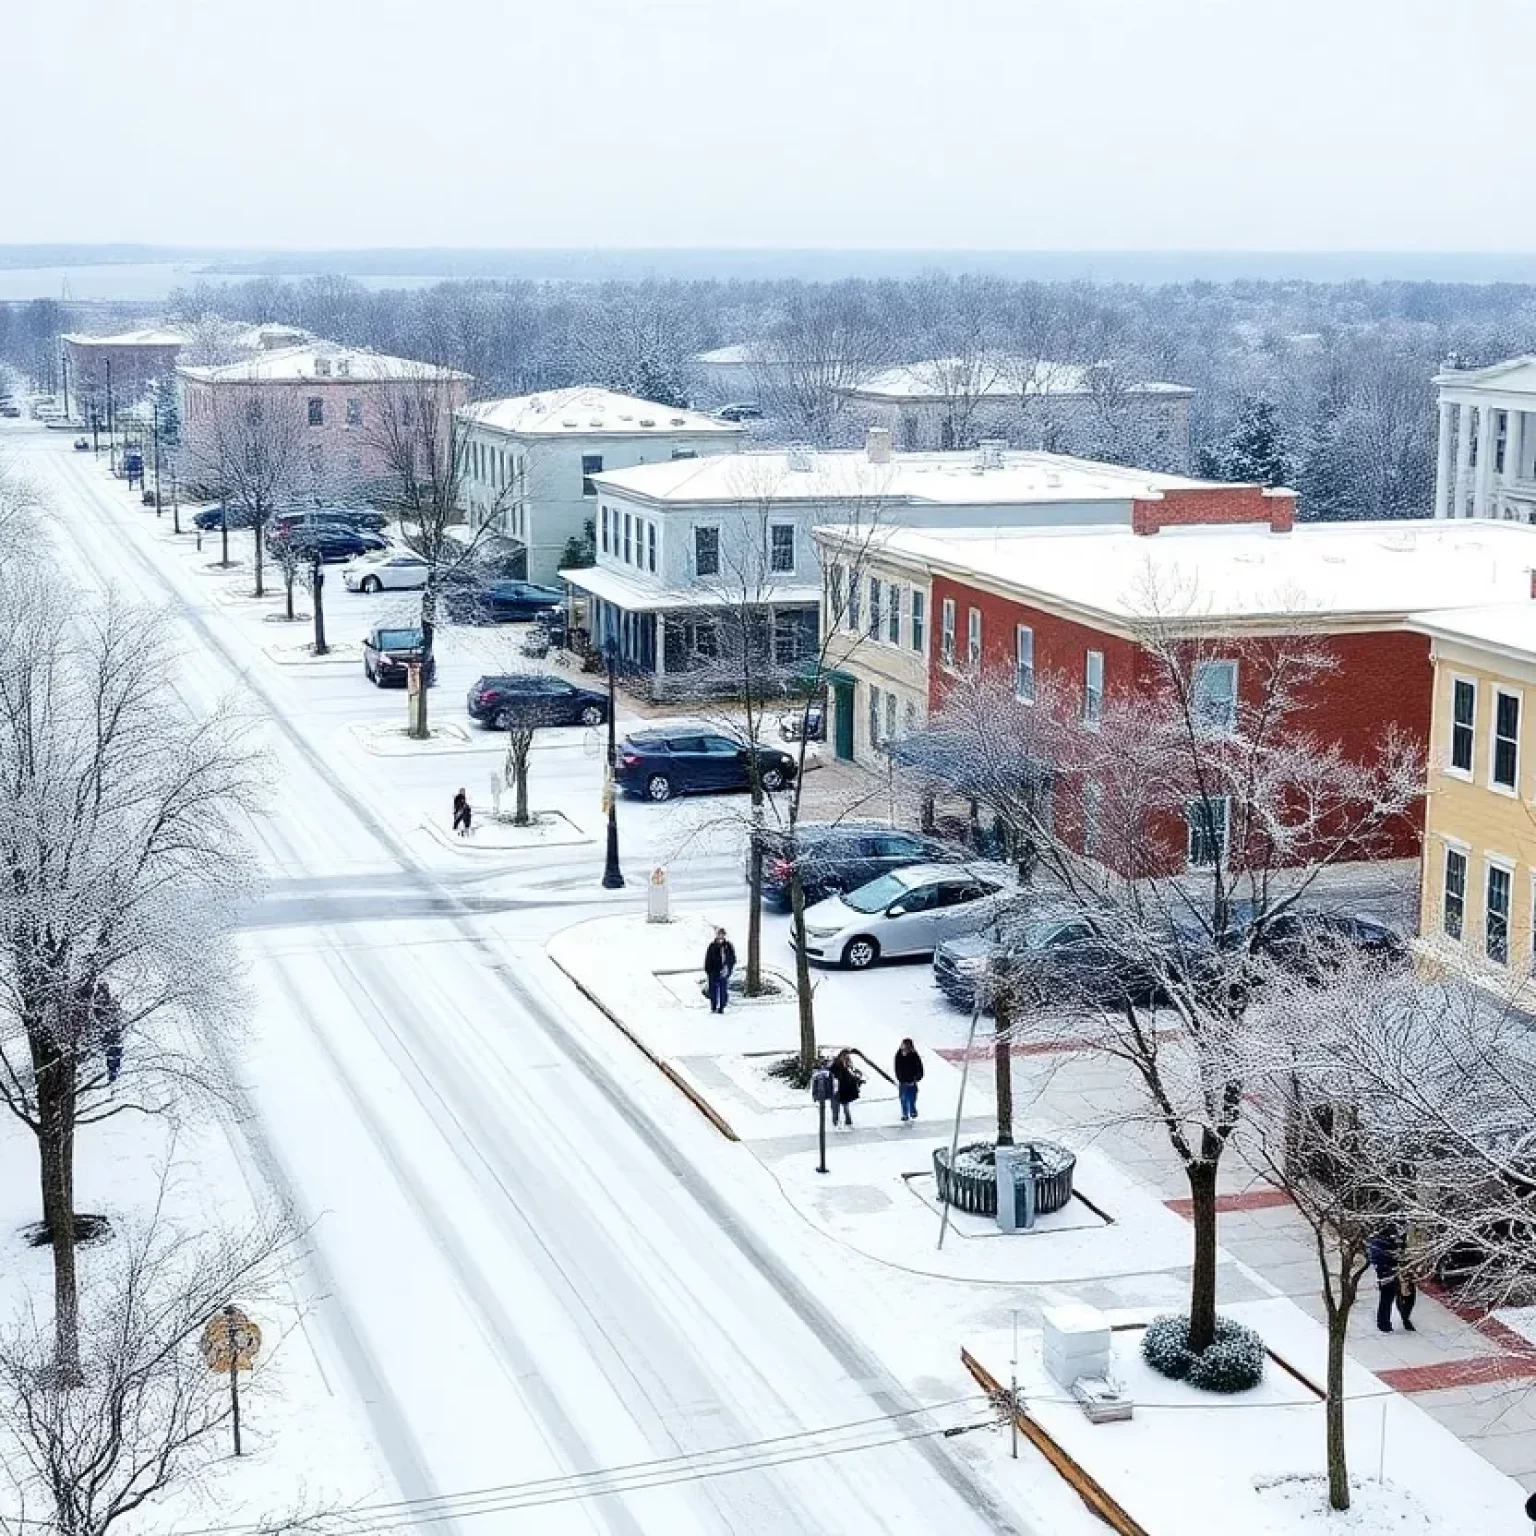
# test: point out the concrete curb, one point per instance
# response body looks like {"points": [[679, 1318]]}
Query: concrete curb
{"points": [[666, 1069]]}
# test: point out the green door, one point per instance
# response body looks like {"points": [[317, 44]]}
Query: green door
{"points": [[842, 722]]}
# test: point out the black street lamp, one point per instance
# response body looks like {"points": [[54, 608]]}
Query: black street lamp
{"points": [[155, 408], [613, 878]]}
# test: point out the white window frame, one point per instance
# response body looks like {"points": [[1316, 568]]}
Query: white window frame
{"points": [[1462, 851], [1211, 728], [918, 631], [1451, 769], [714, 528], [794, 553], [973, 636], [1505, 866], [1499, 692], [1093, 697], [1024, 663], [1225, 802], [947, 633]]}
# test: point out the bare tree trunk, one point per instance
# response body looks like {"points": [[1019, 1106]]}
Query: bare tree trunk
{"points": [[419, 724], [56, 1164], [288, 591], [1202, 1290], [1002, 1057], [754, 980], [317, 596], [1338, 1466], [519, 756], [802, 972], [257, 529]]}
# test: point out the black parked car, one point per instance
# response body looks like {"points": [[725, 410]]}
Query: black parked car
{"points": [[502, 702], [1312, 941], [390, 651], [477, 598], [333, 544], [838, 856], [360, 518], [679, 760], [210, 519]]}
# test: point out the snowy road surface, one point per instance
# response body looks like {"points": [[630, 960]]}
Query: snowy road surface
{"points": [[526, 1276]]}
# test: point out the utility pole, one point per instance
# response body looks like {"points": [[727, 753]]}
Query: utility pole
{"points": [[111, 423], [154, 406]]}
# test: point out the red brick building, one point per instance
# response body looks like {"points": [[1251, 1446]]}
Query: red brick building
{"points": [[1069, 605]]}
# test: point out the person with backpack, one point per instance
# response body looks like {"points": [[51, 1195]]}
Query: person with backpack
{"points": [[909, 1073], [719, 962], [847, 1080]]}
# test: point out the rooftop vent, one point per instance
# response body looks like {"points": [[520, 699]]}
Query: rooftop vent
{"points": [[989, 452], [343, 367], [799, 460], [877, 445], [596, 421], [625, 416], [678, 421], [322, 367], [569, 421], [647, 421]]}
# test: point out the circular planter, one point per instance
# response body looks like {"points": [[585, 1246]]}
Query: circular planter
{"points": [[971, 1184]]}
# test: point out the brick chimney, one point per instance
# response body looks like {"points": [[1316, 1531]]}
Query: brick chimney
{"points": [[1215, 506]]}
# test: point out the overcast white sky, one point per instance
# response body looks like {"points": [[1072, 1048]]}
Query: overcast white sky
{"points": [[1014, 124]]}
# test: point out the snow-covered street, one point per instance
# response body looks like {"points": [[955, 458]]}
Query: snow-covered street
{"points": [[531, 1264]]}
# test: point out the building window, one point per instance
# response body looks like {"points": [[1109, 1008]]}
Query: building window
{"points": [[874, 607], [947, 632], [919, 623], [703, 639], [1024, 663], [1207, 818], [874, 717], [316, 411], [1093, 688], [603, 523], [1506, 739], [354, 412], [835, 596], [890, 716], [893, 615], [973, 636], [628, 523], [1463, 724], [591, 464], [685, 453], [1093, 807], [781, 547], [911, 717], [1215, 697], [405, 412], [855, 607], [650, 546], [322, 367], [1496, 915], [1453, 910], [706, 551], [787, 632]]}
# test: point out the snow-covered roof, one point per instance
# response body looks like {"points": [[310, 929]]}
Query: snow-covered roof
{"points": [[321, 361], [1509, 628], [588, 411], [998, 377], [1012, 477], [149, 337], [639, 595], [1516, 375], [1371, 572]]}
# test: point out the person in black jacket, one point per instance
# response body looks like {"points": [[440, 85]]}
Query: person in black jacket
{"points": [[719, 962], [909, 1073], [846, 1082], [1385, 1253], [462, 814]]}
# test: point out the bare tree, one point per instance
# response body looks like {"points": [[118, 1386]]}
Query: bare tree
{"points": [[964, 325], [120, 839], [1176, 819]]}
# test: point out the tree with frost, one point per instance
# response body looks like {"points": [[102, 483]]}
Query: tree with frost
{"points": [[121, 838], [1175, 812], [1255, 451]]}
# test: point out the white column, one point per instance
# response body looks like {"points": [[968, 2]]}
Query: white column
{"points": [[1485, 441], [1443, 463], [1461, 486], [661, 645], [1514, 446]]}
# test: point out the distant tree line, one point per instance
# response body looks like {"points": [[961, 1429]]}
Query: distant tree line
{"points": [[1324, 386]]}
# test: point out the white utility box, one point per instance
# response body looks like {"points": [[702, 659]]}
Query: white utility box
{"points": [[1075, 1342]]}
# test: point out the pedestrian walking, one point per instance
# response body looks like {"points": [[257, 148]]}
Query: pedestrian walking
{"points": [[1385, 1252], [1408, 1280], [719, 962], [462, 814], [847, 1080], [109, 1023], [909, 1073]]}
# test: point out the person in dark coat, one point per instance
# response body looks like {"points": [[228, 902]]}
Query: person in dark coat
{"points": [[1385, 1253], [462, 814], [109, 1022], [719, 962], [846, 1083], [909, 1073]]}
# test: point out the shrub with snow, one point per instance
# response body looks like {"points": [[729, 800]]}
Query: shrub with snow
{"points": [[1233, 1363]]}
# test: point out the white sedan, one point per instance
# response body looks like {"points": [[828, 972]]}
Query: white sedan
{"points": [[906, 912], [388, 571]]}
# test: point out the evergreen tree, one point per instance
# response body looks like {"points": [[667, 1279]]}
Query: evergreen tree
{"points": [[1255, 450]]}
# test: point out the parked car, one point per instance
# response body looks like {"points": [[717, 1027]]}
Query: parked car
{"points": [[1055, 957], [536, 699], [906, 912], [684, 760], [389, 570], [473, 598], [1313, 941], [333, 544], [742, 411], [840, 856], [361, 518], [210, 519], [811, 718], [389, 651], [82, 444]]}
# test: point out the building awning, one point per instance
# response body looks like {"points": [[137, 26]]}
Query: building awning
{"points": [[651, 597]]}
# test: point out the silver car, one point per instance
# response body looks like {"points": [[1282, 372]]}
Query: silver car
{"points": [[906, 912]]}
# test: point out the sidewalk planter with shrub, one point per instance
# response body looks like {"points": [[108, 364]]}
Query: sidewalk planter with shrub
{"points": [[1233, 1363], [971, 1184]]}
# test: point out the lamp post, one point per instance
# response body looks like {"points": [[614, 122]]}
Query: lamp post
{"points": [[613, 878], [154, 406]]}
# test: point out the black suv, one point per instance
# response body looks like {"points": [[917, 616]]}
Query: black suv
{"points": [[360, 518], [684, 760], [389, 652], [502, 702], [837, 856]]}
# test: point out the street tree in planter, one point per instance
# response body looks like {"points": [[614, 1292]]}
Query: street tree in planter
{"points": [[1176, 812]]}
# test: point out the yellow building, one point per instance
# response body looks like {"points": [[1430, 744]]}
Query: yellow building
{"points": [[1478, 893]]}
